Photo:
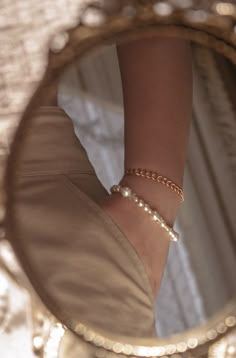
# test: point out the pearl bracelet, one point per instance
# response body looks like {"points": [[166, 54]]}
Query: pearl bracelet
{"points": [[127, 193]]}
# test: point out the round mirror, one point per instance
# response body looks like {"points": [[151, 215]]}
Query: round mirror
{"points": [[153, 104]]}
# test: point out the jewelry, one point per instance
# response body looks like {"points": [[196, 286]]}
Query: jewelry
{"points": [[127, 193], [149, 174]]}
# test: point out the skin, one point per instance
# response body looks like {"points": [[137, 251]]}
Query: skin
{"points": [[156, 77], [157, 89]]}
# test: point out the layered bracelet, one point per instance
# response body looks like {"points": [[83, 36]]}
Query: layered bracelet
{"points": [[149, 174], [155, 216]]}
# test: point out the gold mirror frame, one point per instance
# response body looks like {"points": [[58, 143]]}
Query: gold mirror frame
{"points": [[212, 25]]}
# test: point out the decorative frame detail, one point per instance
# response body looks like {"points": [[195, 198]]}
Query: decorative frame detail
{"points": [[209, 23]]}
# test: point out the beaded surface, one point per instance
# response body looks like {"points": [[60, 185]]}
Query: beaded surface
{"points": [[155, 216], [149, 174], [207, 22]]}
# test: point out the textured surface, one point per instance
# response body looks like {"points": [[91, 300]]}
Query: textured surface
{"points": [[25, 28], [20, 29]]}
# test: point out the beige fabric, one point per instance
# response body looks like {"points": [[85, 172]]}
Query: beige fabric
{"points": [[73, 248]]}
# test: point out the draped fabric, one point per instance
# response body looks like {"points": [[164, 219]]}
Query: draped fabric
{"points": [[25, 30], [199, 276]]}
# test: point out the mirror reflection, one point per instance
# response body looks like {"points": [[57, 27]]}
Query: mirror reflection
{"points": [[160, 105]]}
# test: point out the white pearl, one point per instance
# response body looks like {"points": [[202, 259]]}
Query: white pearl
{"points": [[126, 192], [155, 216], [141, 203], [158, 217]]}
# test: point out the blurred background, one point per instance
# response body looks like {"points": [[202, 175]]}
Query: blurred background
{"points": [[199, 277]]}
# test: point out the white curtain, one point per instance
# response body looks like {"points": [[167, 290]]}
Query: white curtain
{"points": [[199, 276]]}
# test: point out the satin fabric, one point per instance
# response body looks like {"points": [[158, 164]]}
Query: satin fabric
{"points": [[74, 251]]}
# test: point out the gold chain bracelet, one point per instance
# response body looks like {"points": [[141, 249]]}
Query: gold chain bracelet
{"points": [[149, 174], [126, 192]]}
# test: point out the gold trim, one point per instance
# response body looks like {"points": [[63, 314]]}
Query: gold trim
{"points": [[211, 26]]}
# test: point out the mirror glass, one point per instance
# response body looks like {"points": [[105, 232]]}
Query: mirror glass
{"points": [[59, 230]]}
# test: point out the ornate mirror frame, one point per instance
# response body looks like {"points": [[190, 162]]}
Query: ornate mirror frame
{"points": [[209, 23]]}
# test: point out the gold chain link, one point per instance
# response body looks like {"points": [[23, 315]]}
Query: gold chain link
{"points": [[149, 174]]}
